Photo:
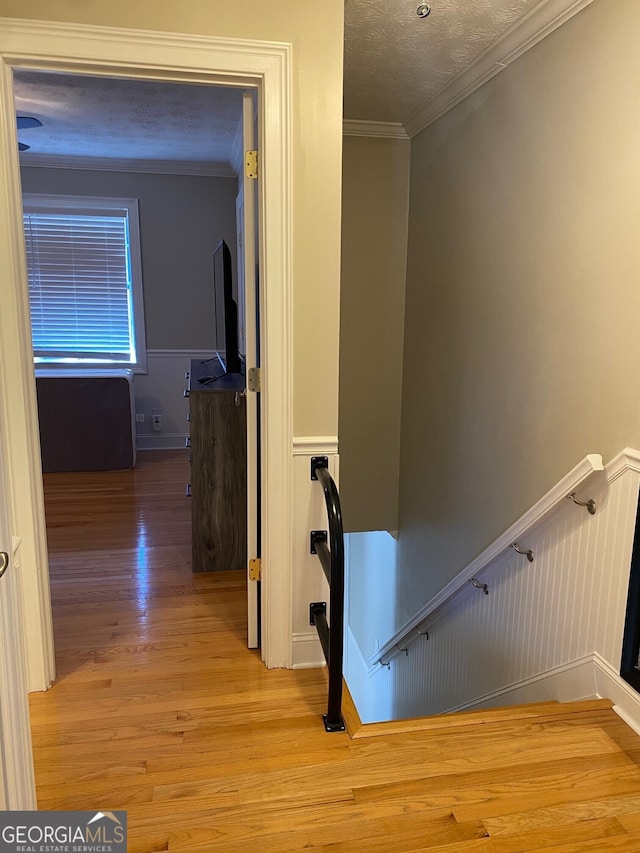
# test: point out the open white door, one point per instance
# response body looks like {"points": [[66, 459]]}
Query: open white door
{"points": [[246, 210], [17, 785]]}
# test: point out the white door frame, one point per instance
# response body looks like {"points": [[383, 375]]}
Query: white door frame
{"points": [[161, 57], [17, 780], [246, 229]]}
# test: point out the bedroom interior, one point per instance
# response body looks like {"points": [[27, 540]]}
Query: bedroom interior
{"points": [[187, 205]]}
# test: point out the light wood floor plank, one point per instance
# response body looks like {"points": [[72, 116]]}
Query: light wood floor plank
{"points": [[599, 831], [586, 809], [618, 844]]}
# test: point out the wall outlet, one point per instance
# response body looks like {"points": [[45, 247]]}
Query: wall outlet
{"points": [[139, 417], [156, 420]]}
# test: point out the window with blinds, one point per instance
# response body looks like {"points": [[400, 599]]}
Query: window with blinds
{"points": [[85, 288]]}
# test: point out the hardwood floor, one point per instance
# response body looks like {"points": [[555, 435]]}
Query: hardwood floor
{"points": [[161, 710]]}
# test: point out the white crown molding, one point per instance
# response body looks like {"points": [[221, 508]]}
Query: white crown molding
{"points": [[376, 129], [543, 20], [112, 164]]}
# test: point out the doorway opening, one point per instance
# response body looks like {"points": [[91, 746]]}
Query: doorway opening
{"points": [[176, 150], [266, 67]]}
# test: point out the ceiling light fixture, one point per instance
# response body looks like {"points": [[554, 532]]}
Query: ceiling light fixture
{"points": [[24, 122], [423, 10]]}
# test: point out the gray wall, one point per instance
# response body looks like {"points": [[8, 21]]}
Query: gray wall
{"points": [[374, 239], [522, 349], [182, 219]]}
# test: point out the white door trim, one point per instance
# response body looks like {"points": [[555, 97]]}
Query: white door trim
{"points": [[246, 225], [155, 56]]}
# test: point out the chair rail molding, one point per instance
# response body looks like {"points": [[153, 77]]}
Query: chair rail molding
{"points": [[315, 445], [627, 460]]}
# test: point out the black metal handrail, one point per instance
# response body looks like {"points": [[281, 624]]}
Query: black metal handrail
{"points": [[331, 557]]}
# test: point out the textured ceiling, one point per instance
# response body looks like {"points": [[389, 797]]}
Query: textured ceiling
{"points": [[396, 62], [134, 119]]}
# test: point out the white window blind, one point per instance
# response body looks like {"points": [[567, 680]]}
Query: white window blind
{"points": [[81, 282]]}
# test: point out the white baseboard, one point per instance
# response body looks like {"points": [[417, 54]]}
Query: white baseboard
{"points": [[585, 678], [306, 651], [612, 686], [162, 441], [566, 683]]}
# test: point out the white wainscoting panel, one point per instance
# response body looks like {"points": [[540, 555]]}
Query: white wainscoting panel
{"points": [[162, 387], [575, 481], [551, 629]]}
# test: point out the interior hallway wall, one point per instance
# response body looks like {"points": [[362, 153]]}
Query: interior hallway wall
{"points": [[317, 41], [522, 352], [375, 205]]}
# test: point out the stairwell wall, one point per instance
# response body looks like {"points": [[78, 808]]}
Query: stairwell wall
{"points": [[375, 209], [521, 349]]}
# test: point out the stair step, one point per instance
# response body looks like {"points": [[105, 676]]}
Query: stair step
{"points": [[482, 716]]}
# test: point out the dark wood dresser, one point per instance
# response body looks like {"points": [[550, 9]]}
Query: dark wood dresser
{"points": [[218, 440]]}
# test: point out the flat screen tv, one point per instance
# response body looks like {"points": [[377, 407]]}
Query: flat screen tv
{"points": [[226, 311]]}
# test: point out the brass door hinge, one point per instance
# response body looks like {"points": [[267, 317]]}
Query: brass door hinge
{"points": [[251, 164], [255, 569], [254, 379]]}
